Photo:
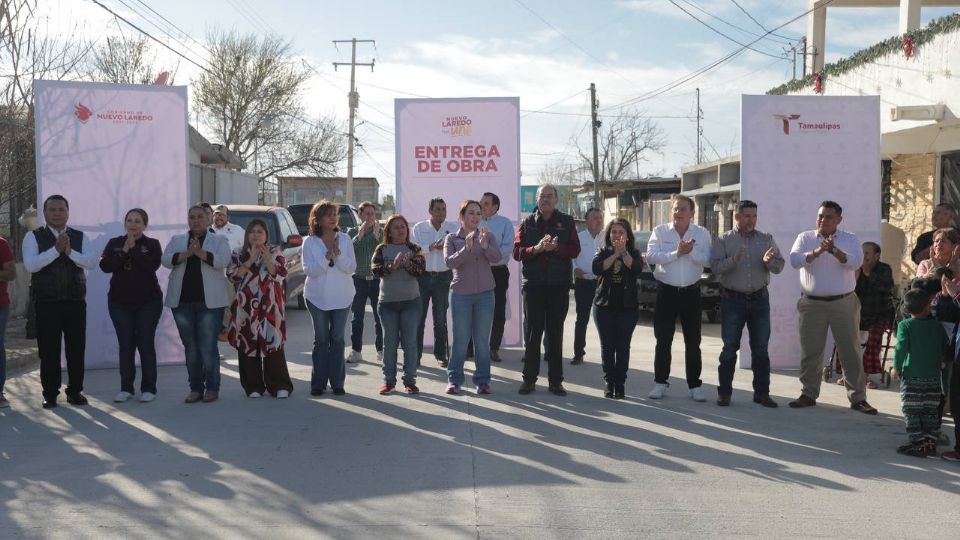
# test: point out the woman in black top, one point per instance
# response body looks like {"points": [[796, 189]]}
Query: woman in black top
{"points": [[135, 302], [615, 308]]}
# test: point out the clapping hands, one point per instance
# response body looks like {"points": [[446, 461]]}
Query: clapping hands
{"points": [[685, 246]]}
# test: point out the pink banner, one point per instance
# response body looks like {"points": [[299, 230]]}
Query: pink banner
{"points": [[108, 148], [457, 149]]}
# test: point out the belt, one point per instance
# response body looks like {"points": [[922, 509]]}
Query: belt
{"points": [[828, 298], [746, 296], [371, 278], [672, 287]]}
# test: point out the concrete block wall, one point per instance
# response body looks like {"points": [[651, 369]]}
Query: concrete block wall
{"points": [[912, 197]]}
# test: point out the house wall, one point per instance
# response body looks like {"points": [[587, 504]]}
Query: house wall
{"points": [[912, 197]]}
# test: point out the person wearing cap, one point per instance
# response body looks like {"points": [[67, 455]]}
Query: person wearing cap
{"points": [[222, 226]]}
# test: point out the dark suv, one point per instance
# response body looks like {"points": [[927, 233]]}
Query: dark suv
{"points": [[301, 216], [709, 286], [283, 232]]}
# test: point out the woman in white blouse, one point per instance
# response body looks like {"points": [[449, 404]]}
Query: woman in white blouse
{"points": [[328, 262]]}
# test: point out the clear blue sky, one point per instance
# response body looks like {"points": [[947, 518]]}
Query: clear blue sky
{"points": [[543, 51]]}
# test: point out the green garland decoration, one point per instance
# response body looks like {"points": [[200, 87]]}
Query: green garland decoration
{"points": [[892, 45]]}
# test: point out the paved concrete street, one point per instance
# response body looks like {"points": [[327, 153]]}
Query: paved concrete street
{"points": [[440, 466]]}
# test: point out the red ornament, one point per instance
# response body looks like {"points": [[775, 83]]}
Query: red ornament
{"points": [[908, 49], [817, 83]]}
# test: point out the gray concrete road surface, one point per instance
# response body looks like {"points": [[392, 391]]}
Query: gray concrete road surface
{"points": [[439, 466]]}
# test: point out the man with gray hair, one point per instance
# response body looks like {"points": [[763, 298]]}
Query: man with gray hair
{"points": [[544, 245]]}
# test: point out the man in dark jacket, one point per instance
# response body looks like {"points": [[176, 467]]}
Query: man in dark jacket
{"points": [[545, 244], [58, 257]]}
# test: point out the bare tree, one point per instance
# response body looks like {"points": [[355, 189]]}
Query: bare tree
{"points": [[624, 141], [251, 97], [125, 60], [29, 50]]}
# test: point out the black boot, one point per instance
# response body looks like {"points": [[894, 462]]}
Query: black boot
{"points": [[618, 391], [609, 393]]}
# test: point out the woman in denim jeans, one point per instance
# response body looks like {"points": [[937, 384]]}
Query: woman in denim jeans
{"points": [[135, 302], [328, 262], [197, 294], [397, 262], [615, 305], [469, 254]]}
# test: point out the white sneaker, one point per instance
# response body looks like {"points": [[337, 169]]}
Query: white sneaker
{"points": [[147, 397], [122, 397], [659, 390], [254, 395], [697, 394], [282, 394], [354, 357]]}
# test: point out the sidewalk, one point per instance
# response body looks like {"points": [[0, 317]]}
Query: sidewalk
{"points": [[21, 352]]}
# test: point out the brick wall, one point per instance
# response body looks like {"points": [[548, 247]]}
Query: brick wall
{"points": [[911, 201]]}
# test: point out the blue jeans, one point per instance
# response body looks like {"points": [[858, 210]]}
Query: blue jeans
{"points": [[328, 343], [400, 320], [4, 315], [472, 319], [434, 287], [136, 326], [366, 289], [737, 310], [199, 326]]}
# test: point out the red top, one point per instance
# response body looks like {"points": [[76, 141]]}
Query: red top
{"points": [[5, 256]]}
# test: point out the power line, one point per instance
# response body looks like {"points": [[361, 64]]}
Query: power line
{"points": [[734, 26], [144, 32], [572, 42], [701, 21], [747, 13], [165, 31], [712, 65], [171, 25], [568, 98]]}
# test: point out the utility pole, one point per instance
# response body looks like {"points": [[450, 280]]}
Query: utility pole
{"points": [[699, 130], [354, 100], [594, 109], [803, 47]]}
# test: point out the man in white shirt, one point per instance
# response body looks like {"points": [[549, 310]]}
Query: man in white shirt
{"points": [[679, 250], [234, 233], [503, 230], [585, 283], [436, 278], [58, 256], [828, 259]]}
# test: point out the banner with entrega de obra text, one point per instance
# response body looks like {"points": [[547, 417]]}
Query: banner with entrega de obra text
{"points": [[108, 148], [458, 149], [798, 151]]}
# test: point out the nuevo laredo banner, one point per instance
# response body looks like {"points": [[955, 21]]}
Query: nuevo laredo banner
{"points": [[457, 149], [108, 148], [798, 151]]}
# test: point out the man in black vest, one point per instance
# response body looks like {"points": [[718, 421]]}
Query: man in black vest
{"points": [[545, 244], [57, 256]]}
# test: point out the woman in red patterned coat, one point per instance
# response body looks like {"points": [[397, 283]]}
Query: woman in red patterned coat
{"points": [[257, 326]]}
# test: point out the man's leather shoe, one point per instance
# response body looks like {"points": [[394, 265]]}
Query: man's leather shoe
{"points": [[527, 388], [863, 407], [49, 403], [766, 401], [557, 389], [723, 401], [77, 399], [193, 397], [608, 392], [802, 401], [619, 392], [210, 396], [577, 360], [495, 356]]}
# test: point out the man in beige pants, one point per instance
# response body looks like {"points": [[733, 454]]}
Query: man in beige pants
{"points": [[828, 259]]}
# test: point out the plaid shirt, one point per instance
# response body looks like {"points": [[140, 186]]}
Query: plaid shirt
{"points": [[876, 293]]}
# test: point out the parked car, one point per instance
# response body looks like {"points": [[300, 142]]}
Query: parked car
{"points": [[283, 231], [348, 218], [647, 291]]}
